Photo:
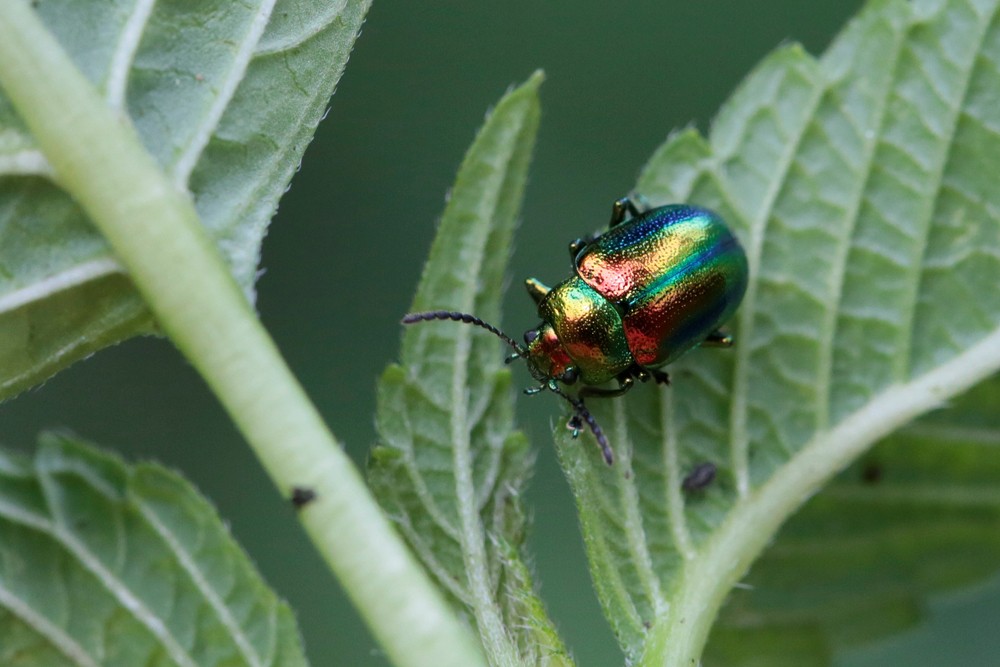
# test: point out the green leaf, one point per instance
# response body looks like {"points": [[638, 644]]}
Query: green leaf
{"points": [[862, 185], [107, 564], [450, 468], [225, 96], [916, 515]]}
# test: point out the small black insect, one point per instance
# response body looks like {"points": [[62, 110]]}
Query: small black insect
{"points": [[302, 496], [872, 473], [700, 478]]}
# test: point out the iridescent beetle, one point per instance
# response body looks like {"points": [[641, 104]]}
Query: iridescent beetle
{"points": [[652, 287]]}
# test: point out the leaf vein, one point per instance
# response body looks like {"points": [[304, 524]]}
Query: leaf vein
{"points": [[201, 584], [186, 161], [112, 584], [27, 162], [842, 250], [55, 635], [124, 53], [739, 438], [904, 359]]}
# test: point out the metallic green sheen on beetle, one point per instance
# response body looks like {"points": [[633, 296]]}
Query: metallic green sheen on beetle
{"points": [[653, 286]]}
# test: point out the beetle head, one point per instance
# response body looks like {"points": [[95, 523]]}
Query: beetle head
{"points": [[546, 357], [547, 362]]}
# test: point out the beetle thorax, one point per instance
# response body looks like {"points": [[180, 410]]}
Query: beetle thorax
{"points": [[587, 328]]}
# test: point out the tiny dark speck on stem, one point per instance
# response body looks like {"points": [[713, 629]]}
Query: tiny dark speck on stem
{"points": [[302, 496], [872, 473]]}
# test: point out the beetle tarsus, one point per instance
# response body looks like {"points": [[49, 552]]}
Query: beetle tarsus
{"points": [[620, 208], [718, 338], [646, 374], [576, 245], [659, 376]]}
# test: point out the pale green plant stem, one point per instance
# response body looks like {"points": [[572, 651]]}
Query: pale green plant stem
{"points": [[155, 231], [677, 638]]}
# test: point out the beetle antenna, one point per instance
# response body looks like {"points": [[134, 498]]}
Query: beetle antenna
{"points": [[583, 413], [581, 410], [413, 318]]}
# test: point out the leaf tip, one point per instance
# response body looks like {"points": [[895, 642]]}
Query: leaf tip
{"points": [[529, 88]]}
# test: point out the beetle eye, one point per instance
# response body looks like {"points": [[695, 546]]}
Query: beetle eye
{"points": [[530, 335], [570, 375]]}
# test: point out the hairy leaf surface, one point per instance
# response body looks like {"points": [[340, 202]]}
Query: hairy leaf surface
{"points": [[449, 467], [863, 187], [226, 96]]}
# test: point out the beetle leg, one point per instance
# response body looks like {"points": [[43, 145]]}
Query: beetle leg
{"points": [[624, 384], [647, 374], [658, 376], [620, 208], [576, 245], [536, 289], [718, 339]]}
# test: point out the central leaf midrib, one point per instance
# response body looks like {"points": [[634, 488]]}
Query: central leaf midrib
{"points": [[632, 522], [489, 617], [673, 491]]}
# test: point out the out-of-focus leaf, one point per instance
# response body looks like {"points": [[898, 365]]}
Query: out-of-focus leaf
{"points": [[226, 96], [916, 515], [104, 564]]}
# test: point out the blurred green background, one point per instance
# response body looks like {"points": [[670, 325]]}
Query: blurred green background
{"points": [[346, 249]]}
